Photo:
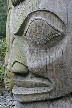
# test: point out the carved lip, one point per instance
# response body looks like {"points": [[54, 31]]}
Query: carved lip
{"points": [[25, 91], [31, 90], [31, 85], [32, 81]]}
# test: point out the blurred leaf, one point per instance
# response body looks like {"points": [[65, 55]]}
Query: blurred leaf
{"points": [[3, 8]]}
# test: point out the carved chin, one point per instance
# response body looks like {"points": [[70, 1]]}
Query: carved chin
{"points": [[16, 2]]}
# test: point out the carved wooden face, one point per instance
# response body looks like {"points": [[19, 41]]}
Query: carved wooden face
{"points": [[43, 35]]}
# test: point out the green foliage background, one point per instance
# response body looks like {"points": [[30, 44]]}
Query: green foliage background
{"points": [[3, 13], [2, 56], [2, 49], [3, 17]]}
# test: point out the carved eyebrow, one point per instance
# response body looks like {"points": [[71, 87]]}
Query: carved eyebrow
{"points": [[16, 2]]}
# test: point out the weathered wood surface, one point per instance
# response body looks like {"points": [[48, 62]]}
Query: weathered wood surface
{"points": [[65, 102], [41, 50]]}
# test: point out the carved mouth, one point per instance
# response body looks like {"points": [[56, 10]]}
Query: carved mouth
{"points": [[31, 81], [33, 84]]}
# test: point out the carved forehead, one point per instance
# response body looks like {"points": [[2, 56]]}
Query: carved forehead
{"points": [[24, 9]]}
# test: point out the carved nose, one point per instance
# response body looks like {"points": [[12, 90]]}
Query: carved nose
{"points": [[17, 62], [17, 68]]}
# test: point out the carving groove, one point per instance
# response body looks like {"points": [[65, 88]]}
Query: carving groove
{"points": [[16, 2]]}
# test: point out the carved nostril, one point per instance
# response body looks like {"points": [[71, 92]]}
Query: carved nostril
{"points": [[18, 67]]}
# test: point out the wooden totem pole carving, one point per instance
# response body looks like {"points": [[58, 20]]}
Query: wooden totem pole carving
{"points": [[40, 55]]}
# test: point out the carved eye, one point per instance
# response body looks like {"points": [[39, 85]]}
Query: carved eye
{"points": [[45, 30], [16, 2], [41, 34]]}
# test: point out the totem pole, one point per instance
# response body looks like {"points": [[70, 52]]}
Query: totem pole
{"points": [[40, 54]]}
